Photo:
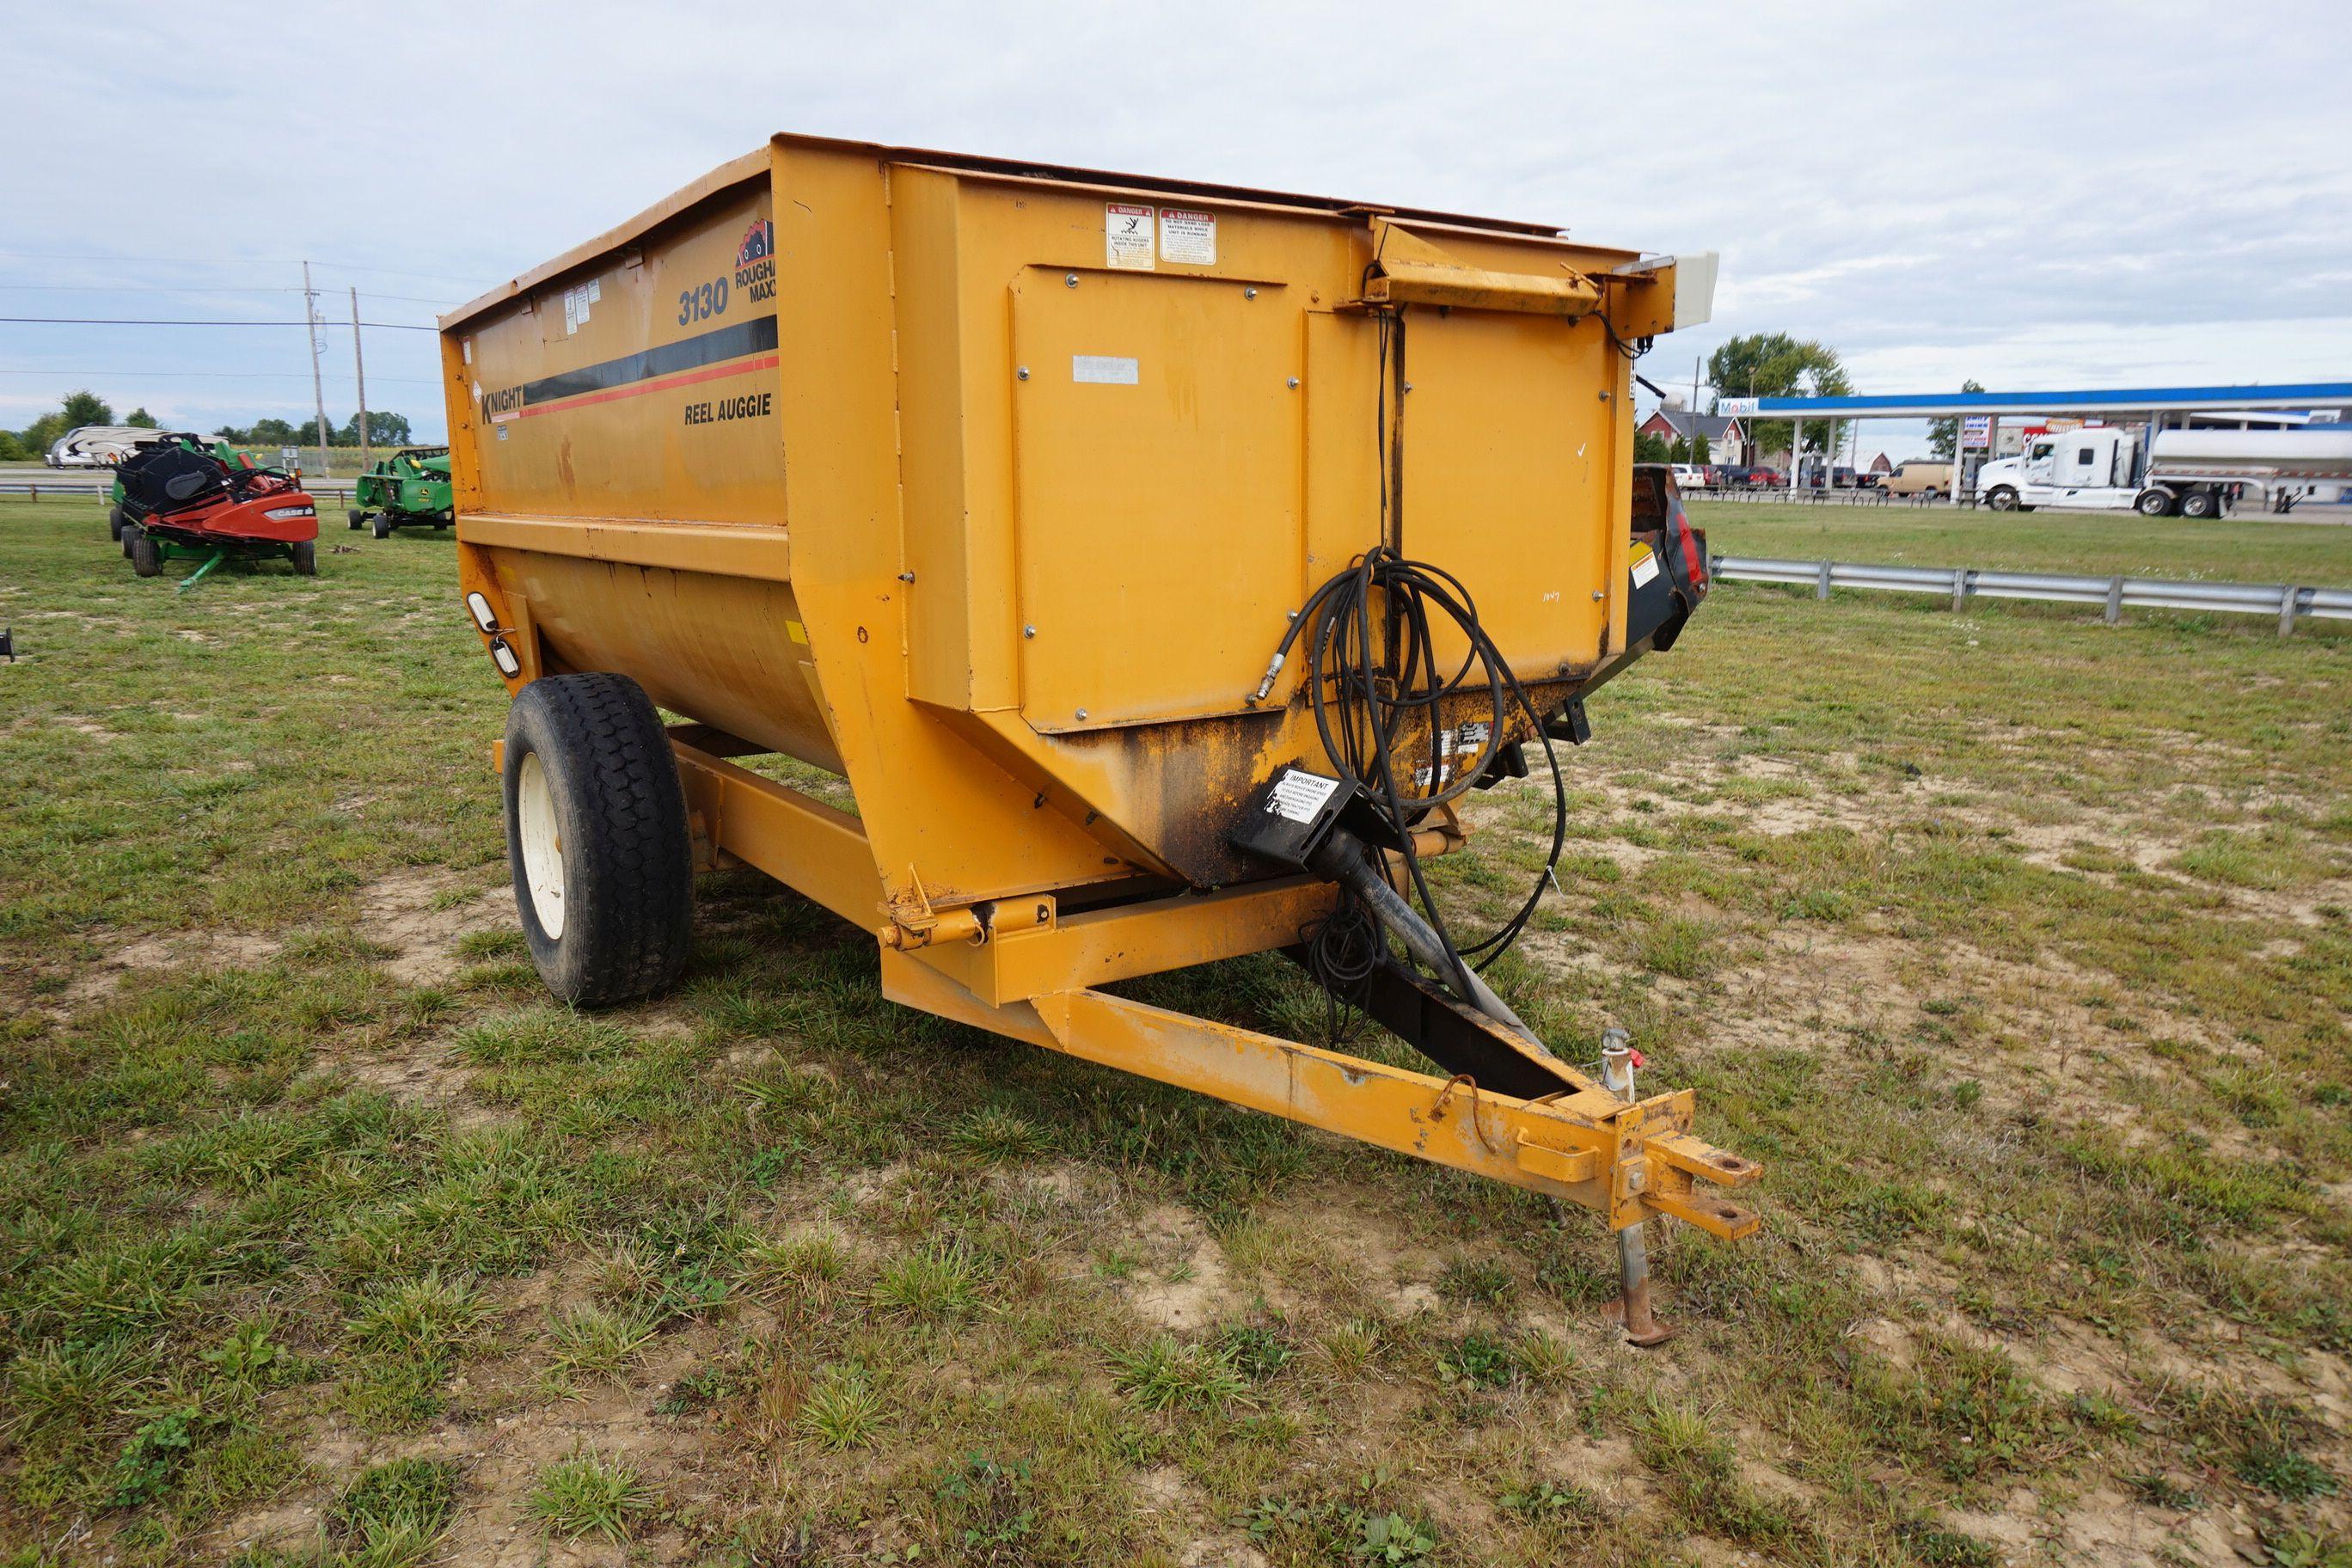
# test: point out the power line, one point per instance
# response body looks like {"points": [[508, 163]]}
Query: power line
{"points": [[196, 375], [128, 321], [200, 289], [474, 282], [148, 289]]}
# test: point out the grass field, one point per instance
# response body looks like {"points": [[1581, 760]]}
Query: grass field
{"points": [[2018, 947]]}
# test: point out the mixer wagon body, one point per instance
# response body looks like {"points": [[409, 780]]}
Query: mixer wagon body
{"points": [[990, 488]]}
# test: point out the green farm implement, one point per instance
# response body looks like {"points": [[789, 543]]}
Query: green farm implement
{"points": [[409, 489]]}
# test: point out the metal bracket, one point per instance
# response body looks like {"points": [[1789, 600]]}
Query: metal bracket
{"points": [[915, 923]]}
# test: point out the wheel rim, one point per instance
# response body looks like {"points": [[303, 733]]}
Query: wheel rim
{"points": [[542, 844]]}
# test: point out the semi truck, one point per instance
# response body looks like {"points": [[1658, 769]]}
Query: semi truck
{"points": [[2191, 473]]}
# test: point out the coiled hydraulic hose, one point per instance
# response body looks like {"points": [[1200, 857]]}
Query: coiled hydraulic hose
{"points": [[1379, 700]]}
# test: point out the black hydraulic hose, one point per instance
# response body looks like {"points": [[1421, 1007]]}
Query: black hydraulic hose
{"points": [[1367, 691]]}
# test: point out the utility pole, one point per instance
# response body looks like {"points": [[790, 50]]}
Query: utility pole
{"points": [[318, 388], [1710, 446], [359, 368]]}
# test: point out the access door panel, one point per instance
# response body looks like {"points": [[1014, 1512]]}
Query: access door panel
{"points": [[1157, 434]]}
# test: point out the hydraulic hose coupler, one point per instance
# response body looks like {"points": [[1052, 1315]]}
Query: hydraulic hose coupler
{"points": [[1273, 668]]}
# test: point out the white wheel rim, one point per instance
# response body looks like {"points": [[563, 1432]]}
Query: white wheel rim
{"points": [[542, 844]]}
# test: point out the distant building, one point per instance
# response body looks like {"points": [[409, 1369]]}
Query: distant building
{"points": [[1879, 465], [1722, 433]]}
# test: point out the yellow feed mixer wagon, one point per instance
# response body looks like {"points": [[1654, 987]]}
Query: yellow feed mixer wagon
{"points": [[1162, 564]]}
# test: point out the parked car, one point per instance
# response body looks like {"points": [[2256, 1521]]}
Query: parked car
{"points": [[1841, 479], [1691, 477], [1765, 479], [1917, 479]]}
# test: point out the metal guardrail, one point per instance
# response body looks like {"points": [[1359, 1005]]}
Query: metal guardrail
{"points": [[38, 490], [1806, 494], [2287, 601]]}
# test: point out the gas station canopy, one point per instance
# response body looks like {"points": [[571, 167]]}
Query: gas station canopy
{"points": [[2102, 400]]}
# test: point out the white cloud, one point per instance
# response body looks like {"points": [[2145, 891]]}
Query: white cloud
{"points": [[2017, 192]]}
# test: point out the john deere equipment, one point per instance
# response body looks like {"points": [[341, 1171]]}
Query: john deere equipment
{"points": [[1161, 563], [409, 489]]}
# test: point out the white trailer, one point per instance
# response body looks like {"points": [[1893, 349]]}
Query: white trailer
{"points": [[2191, 472], [97, 446]]}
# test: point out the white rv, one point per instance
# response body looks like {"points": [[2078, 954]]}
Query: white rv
{"points": [[97, 446]]}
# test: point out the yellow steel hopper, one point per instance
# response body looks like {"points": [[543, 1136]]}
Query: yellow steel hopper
{"points": [[1158, 562]]}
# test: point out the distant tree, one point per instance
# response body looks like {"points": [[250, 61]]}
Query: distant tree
{"points": [[37, 436], [389, 429], [1774, 364], [275, 432], [85, 408], [140, 417], [10, 450], [1649, 448], [1944, 434]]}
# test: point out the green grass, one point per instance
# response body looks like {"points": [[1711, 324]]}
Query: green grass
{"points": [[2018, 948], [2250, 547], [588, 1495]]}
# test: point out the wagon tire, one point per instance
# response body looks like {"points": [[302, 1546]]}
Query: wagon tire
{"points": [[2200, 503], [306, 557], [2153, 503], [2002, 499], [359, 519], [596, 839], [384, 525], [114, 521], [146, 555], [131, 532]]}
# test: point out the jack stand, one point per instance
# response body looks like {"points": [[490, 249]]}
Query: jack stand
{"points": [[193, 578], [1633, 1308]]}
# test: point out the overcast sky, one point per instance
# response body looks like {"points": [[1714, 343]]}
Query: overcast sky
{"points": [[2043, 195]]}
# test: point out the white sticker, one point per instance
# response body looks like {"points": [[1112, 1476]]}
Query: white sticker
{"points": [[595, 290], [1472, 738], [1126, 237], [1299, 795], [503, 432], [1106, 370], [1187, 237], [468, 345], [571, 313], [1645, 566]]}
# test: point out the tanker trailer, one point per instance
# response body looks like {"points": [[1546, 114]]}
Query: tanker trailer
{"points": [[1161, 564]]}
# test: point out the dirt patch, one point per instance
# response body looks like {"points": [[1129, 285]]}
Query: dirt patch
{"points": [[158, 955], [1184, 1283], [80, 725], [424, 1073], [421, 914]]}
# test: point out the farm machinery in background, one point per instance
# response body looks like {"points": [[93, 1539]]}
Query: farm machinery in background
{"points": [[408, 488], [179, 500], [147, 441]]}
